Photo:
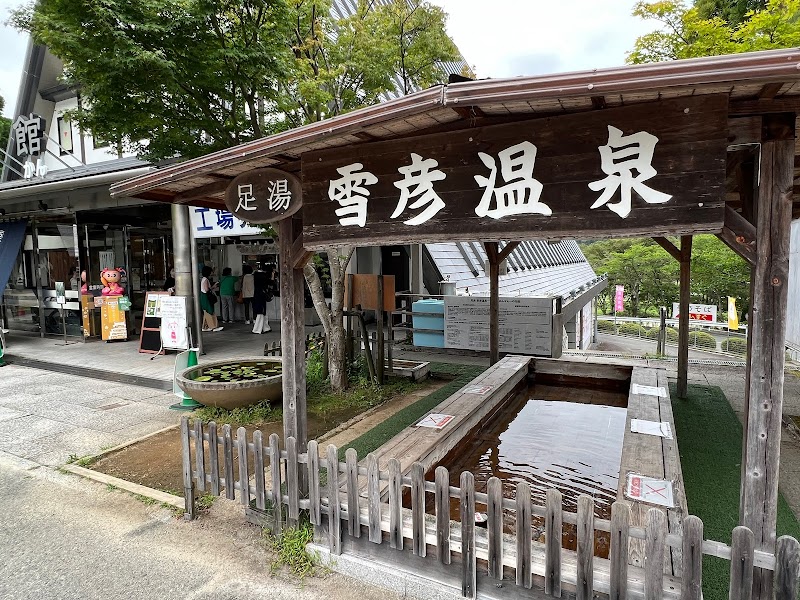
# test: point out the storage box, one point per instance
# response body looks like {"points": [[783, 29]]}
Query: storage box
{"points": [[426, 321], [428, 339]]}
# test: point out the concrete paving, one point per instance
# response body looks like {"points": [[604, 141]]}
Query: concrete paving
{"points": [[64, 538], [49, 417], [236, 340]]}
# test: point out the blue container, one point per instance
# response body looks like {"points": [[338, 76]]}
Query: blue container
{"points": [[428, 339]]}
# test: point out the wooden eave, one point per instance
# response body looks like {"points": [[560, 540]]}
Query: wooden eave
{"points": [[757, 84]]}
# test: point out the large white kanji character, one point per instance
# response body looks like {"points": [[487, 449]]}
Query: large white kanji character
{"points": [[418, 181], [350, 193], [618, 158], [521, 192], [28, 134], [279, 195], [245, 193]]}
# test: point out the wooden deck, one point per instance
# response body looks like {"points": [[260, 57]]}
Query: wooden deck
{"points": [[652, 456]]}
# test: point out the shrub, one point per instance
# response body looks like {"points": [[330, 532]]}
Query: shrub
{"points": [[735, 346], [633, 329], [605, 326], [702, 339], [672, 334]]}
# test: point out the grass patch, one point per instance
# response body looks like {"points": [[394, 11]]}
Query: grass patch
{"points": [[203, 503], [710, 444], [81, 461], [383, 432], [262, 412], [290, 547]]}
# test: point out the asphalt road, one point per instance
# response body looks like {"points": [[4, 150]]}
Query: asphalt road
{"points": [[63, 537]]}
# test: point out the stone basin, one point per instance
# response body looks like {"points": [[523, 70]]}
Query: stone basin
{"points": [[232, 394]]}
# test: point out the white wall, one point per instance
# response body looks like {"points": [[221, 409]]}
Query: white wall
{"points": [[793, 312], [92, 154]]}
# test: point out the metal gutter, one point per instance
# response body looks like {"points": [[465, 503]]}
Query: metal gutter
{"points": [[772, 65], [75, 183]]}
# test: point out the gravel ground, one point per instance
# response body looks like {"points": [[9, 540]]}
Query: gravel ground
{"points": [[65, 538]]}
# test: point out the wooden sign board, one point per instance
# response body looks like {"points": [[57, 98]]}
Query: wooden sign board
{"points": [[365, 292], [264, 196], [627, 171]]}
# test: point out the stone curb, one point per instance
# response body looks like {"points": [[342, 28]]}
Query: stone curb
{"points": [[123, 484], [128, 486], [95, 457]]}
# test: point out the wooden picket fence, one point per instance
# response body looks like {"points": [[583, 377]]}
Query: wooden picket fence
{"points": [[295, 486]]}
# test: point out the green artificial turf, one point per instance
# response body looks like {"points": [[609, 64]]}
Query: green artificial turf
{"points": [[710, 444], [383, 432]]}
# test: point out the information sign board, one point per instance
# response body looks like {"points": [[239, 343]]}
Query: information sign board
{"points": [[526, 324]]}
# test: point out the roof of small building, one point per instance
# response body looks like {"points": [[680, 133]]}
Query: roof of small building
{"points": [[535, 268]]}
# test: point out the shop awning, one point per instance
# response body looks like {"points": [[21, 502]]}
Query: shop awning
{"points": [[12, 235]]}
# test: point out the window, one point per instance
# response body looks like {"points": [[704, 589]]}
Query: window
{"points": [[65, 135]]}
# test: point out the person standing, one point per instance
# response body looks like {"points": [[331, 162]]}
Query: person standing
{"points": [[227, 292], [263, 292], [248, 291], [207, 300]]}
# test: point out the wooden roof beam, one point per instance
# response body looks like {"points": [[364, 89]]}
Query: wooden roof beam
{"points": [[469, 112], [764, 106], [739, 235], [209, 189], [770, 90], [599, 102], [669, 247], [506, 251], [367, 137]]}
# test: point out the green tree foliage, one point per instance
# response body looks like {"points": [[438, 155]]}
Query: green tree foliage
{"points": [[715, 27], [187, 77], [343, 64], [651, 276], [731, 11], [170, 78], [718, 272], [5, 126]]}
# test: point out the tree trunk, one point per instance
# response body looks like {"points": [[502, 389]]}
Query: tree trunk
{"points": [[332, 317]]}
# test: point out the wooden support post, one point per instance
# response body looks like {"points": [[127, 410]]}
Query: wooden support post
{"points": [[379, 367], [292, 336], [683, 322], [349, 342], [494, 302], [767, 329]]}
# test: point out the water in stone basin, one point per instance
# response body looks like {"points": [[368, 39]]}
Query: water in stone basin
{"points": [[573, 447], [237, 371]]}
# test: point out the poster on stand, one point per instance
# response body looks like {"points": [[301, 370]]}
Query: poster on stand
{"points": [[173, 323]]}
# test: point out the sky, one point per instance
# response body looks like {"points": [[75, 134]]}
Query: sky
{"points": [[498, 38]]}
